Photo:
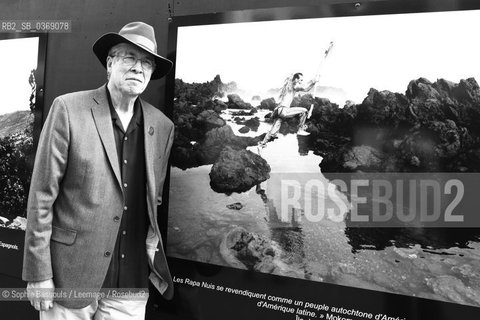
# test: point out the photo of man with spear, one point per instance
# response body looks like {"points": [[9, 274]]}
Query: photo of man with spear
{"points": [[291, 87]]}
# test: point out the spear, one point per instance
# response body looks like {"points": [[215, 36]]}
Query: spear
{"points": [[330, 46]]}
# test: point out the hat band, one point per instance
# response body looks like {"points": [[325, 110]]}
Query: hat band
{"points": [[141, 41]]}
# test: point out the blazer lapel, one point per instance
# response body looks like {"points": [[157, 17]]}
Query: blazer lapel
{"points": [[103, 122]]}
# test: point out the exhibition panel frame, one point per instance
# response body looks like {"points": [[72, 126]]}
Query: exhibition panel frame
{"points": [[23, 60], [367, 211]]}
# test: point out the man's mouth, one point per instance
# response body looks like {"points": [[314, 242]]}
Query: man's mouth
{"points": [[135, 79]]}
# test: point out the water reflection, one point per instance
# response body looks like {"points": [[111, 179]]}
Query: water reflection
{"points": [[303, 145], [431, 263], [428, 238], [288, 235]]}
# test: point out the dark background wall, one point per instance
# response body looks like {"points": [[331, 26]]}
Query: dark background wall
{"points": [[71, 65]]}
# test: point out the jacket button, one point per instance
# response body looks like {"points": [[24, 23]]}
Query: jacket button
{"points": [[107, 253], [117, 218]]}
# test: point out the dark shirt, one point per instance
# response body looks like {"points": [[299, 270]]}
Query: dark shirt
{"points": [[129, 265]]}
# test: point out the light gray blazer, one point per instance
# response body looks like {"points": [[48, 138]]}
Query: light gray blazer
{"points": [[76, 193]]}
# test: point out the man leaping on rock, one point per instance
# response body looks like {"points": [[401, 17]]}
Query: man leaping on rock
{"points": [[292, 86]]}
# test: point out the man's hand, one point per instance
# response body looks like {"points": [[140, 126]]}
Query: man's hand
{"points": [[40, 294]]}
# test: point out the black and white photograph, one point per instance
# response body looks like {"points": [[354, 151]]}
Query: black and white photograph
{"points": [[259, 103], [255, 159], [18, 60]]}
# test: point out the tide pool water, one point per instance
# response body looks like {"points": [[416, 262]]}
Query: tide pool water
{"points": [[325, 250]]}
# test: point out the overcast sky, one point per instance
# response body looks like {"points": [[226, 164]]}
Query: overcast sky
{"points": [[384, 52], [17, 58]]}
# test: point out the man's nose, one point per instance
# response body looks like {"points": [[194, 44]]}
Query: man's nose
{"points": [[137, 67]]}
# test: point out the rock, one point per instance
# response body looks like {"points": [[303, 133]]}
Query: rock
{"points": [[197, 107], [247, 250], [184, 157], [304, 101], [434, 146], [433, 127], [422, 89], [449, 138], [266, 265], [209, 119], [199, 93], [250, 112], [239, 120], [208, 150], [227, 246], [244, 129], [219, 105], [363, 158], [252, 123], [383, 109], [268, 104], [181, 141], [238, 171], [467, 91], [268, 117], [187, 155], [235, 206], [331, 128], [235, 102]]}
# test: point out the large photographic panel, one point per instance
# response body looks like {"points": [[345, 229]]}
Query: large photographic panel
{"points": [[22, 59], [276, 227]]}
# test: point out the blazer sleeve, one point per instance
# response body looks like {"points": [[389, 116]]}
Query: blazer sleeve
{"points": [[166, 157], [49, 168]]}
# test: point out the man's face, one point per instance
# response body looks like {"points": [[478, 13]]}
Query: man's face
{"points": [[129, 70], [299, 80]]}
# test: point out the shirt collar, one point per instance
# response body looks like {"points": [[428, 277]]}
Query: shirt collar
{"points": [[137, 110]]}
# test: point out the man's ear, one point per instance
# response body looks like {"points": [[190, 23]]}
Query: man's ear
{"points": [[109, 66], [109, 62]]}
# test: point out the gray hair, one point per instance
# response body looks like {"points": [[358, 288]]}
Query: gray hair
{"points": [[115, 49]]}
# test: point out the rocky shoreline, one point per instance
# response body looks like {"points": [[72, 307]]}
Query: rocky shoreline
{"points": [[432, 127], [202, 137]]}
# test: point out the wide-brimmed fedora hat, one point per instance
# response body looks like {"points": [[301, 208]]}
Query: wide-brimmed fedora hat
{"points": [[138, 34]]}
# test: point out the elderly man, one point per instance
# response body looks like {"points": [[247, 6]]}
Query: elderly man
{"points": [[97, 180]]}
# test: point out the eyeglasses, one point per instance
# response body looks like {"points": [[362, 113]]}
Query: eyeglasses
{"points": [[130, 61]]}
